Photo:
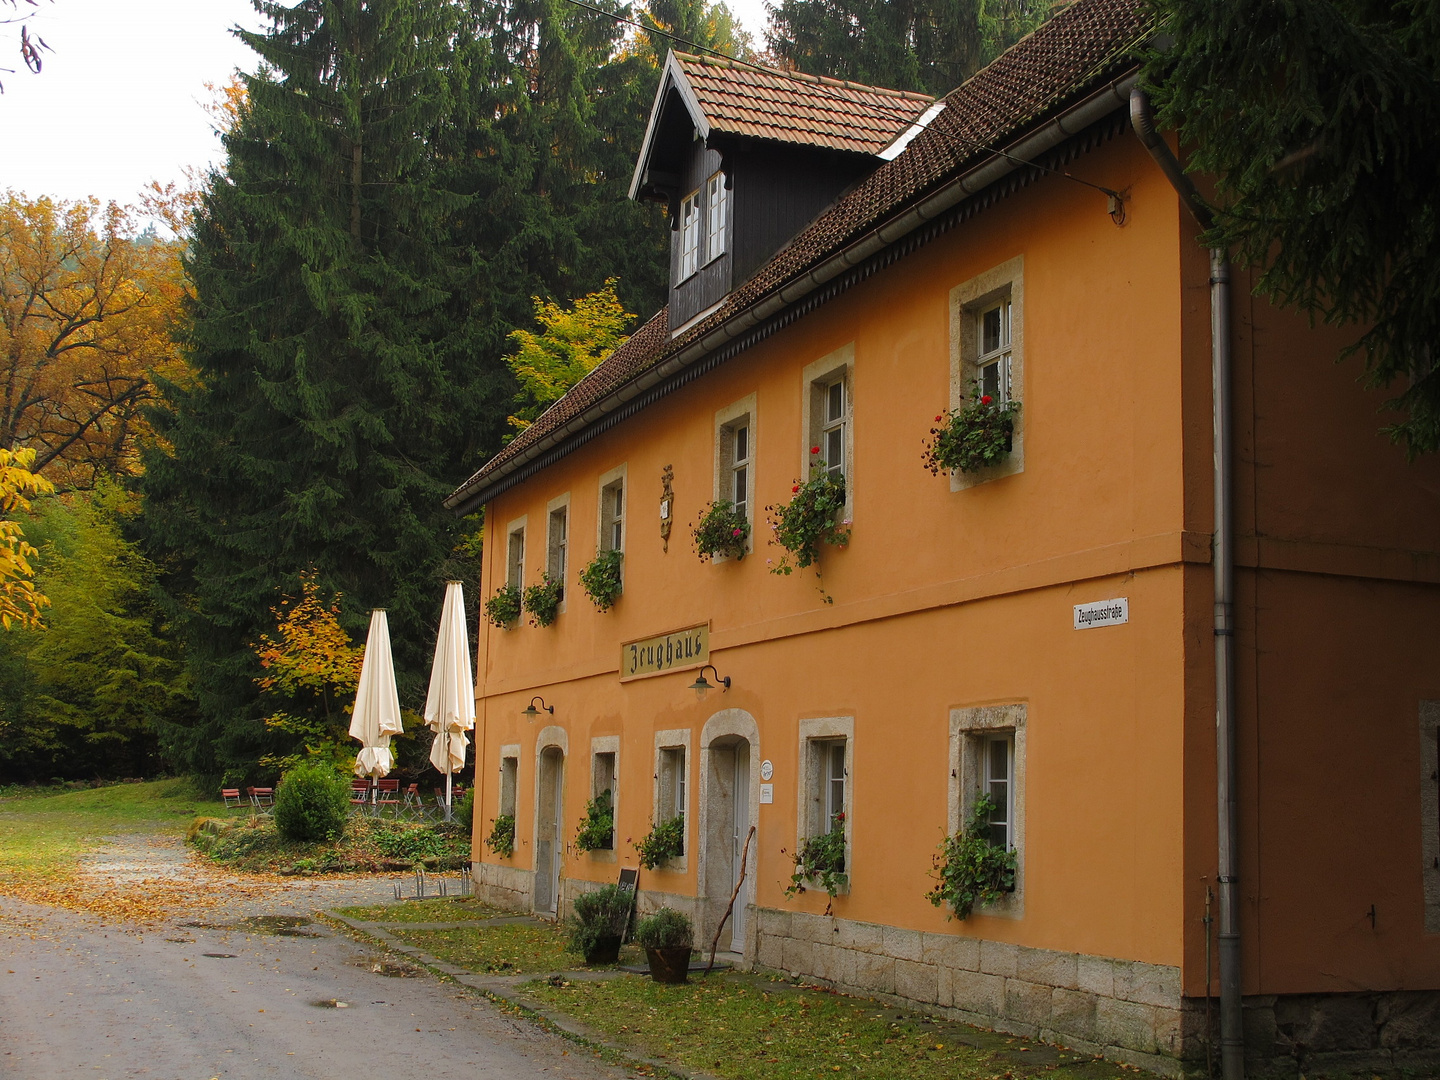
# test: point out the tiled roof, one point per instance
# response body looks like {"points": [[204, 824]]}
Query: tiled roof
{"points": [[741, 99], [1076, 52]]}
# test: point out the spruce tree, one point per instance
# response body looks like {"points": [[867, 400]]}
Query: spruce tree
{"points": [[343, 384], [926, 45]]}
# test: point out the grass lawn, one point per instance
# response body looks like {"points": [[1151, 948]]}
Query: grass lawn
{"points": [[444, 909], [749, 1027], [514, 949], [43, 835]]}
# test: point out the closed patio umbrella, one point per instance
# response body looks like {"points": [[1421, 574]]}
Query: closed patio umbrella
{"points": [[377, 702], [450, 704]]}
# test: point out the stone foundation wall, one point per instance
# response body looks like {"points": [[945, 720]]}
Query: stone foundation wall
{"points": [[1297, 1034], [507, 887], [1126, 1010]]}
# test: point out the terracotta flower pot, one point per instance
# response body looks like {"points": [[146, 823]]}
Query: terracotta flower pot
{"points": [[605, 950], [669, 965]]}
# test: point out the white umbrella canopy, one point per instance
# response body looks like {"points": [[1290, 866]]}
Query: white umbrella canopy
{"points": [[450, 704], [377, 702]]}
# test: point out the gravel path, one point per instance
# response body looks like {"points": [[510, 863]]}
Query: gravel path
{"points": [[214, 992]]}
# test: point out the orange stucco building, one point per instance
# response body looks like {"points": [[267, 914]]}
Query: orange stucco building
{"points": [[956, 656]]}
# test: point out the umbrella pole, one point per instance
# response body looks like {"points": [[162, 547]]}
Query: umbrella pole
{"points": [[447, 774]]}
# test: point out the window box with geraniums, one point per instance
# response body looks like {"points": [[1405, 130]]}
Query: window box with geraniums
{"points": [[972, 868], [820, 863], [597, 827], [503, 608], [975, 436], [601, 579], [809, 519], [665, 841], [722, 532], [502, 836], [542, 601]]}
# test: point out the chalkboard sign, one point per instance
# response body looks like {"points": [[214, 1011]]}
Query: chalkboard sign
{"points": [[629, 883]]}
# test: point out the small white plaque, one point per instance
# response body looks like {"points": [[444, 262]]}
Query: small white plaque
{"points": [[1102, 613], [767, 793], [767, 770]]}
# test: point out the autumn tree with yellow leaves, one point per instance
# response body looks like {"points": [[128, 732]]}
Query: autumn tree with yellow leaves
{"points": [[87, 308], [20, 602]]}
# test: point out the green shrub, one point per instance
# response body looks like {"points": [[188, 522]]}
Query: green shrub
{"points": [[502, 836], [971, 867], [666, 929], [602, 581], [464, 811], [411, 843], [821, 860], [542, 601], [597, 827], [503, 608], [665, 841], [312, 803], [600, 913]]}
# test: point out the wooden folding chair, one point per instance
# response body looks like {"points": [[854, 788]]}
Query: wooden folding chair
{"points": [[387, 796], [232, 797], [262, 799]]}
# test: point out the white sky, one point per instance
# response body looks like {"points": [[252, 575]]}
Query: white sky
{"points": [[119, 102]]}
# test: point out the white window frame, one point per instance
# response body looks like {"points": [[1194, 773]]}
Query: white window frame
{"points": [[515, 559], [606, 520], [557, 549], [602, 746], [818, 737], [816, 379], [670, 787], [689, 235], [993, 362], [717, 215], [727, 420], [969, 301], [972, 730]]}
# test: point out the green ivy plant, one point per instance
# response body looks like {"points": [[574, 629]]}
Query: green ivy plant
{"points": [[972, 868], [808, 520], [542, 601], [975, 436], [597, 827], [601, 579], [503, 608], [666, 840], [502, 836], [821, 861], [721, 531]]}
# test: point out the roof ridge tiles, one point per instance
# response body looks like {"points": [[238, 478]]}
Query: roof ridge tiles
{"points": [[755, 69]]}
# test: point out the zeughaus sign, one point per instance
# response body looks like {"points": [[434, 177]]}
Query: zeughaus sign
{"points": [[678, 649], [1102, 613]]}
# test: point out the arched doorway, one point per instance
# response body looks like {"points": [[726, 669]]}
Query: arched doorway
{"points": [[728, 807], [549, 820]]}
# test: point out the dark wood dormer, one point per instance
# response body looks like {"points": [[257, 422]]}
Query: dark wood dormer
{"points": [[745, 157]]}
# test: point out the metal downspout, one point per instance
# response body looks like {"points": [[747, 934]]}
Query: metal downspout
{"points": [[1232, 1033]]}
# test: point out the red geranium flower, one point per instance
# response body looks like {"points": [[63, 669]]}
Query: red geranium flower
{"points": [[985, 400], [734, 532], [814, 449], [939, 418]]}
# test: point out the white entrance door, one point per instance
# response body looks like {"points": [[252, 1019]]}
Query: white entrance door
{"points": [[740, 829]]}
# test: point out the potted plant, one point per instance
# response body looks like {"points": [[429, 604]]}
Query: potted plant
{"points": [[722, 531], [664, 841], [667, 939], [598, 923], [502, 836], [542, 601], [821, 862], [978, 434], [597, 827], [601, 579], [503, 608], [972, 868], [808, 520]]}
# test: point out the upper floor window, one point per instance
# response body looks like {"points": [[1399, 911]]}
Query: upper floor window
{"points": [[559, 545], [689, 235], [992, 355], [515, 558], [998, 782], [717, 204], [738, 466], [612, 516], [835, 413]]}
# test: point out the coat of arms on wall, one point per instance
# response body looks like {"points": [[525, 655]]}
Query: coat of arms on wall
{"points": [[667, 504]]}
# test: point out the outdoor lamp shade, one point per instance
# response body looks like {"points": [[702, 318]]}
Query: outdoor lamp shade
{"points": [[377, 702]]}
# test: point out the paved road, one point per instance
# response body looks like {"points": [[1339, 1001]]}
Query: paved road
{"points": [[82, 999]]}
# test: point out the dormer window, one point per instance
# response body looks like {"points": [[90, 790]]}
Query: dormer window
{"points": [[717, 203], [690, 235]]}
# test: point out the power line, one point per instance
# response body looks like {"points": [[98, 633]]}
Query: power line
{"points": [[918, 127]]}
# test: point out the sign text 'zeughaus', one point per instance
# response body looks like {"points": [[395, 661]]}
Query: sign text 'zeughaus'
{"points": [[679, 649], [1102, 613]]}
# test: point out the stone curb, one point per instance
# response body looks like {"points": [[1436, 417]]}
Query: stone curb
{"points": [[504, 988]]}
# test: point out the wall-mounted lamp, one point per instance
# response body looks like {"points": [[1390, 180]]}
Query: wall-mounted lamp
{"points": [[531, 712], [702, 686]]}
